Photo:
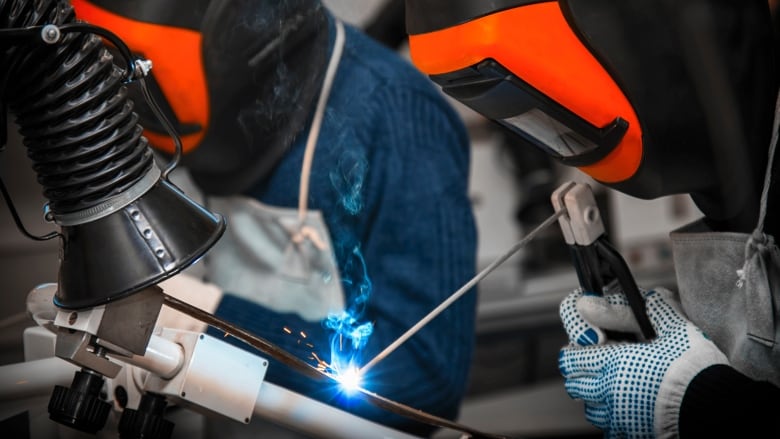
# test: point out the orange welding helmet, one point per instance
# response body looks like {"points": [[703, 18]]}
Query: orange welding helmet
{"points": [[238, 78], [168, 33], [649, 97]]}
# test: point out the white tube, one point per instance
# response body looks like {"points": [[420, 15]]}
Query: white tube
{"points": [[34, 378], [304, 414], [163, 357]]}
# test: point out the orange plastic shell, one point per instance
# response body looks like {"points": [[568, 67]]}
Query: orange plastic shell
{"points": [[538, 45], [177, 64]]}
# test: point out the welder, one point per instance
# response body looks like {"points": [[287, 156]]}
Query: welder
{"points": [[343, 176], [651, 98]]}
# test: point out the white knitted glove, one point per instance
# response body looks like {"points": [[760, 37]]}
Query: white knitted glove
{"points": [[631, 390]]}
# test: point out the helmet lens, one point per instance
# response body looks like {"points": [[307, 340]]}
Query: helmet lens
{"points": [[550, 134], [498, 94]]}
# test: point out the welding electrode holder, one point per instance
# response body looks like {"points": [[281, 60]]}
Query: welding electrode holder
{"points": [[597, 263]]}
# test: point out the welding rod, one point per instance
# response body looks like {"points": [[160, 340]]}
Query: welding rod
{"points": [[463, 290]]}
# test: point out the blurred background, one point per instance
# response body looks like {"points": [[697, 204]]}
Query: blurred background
{"points": [[514, 386]]}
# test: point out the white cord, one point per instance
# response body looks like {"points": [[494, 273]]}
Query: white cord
{"points": [[314, 131], [768, 175]]}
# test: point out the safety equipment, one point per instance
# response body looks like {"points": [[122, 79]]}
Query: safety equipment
{"points": [[278, 257], [739, 309], [119, 221], [631, 389], [268, 256], [238, 78], [738, 272], [650, 97], [177, 64]]}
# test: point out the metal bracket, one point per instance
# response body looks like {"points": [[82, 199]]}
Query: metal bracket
{"points": [[78, 348], [123, 326]]}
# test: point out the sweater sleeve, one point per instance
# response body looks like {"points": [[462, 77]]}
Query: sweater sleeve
{"points": [[721, 402]]}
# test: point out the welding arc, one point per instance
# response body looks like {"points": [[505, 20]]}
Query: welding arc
{"points": [[461, 291], [301, 366]]}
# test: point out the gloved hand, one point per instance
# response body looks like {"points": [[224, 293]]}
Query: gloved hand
{"points": [[631, 389], [194, 291]]}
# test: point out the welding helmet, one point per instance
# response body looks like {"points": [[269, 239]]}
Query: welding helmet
{"points": [[649, 97], [237, 78]]}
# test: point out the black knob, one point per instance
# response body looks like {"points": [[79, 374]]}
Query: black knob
{"points": [[80, 406], [147, 422]]}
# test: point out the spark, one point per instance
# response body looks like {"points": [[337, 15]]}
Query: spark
{"points": [[350, 379], [287, 330], [321, 365], [303, 334]]}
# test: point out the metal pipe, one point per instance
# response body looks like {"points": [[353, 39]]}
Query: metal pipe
{"points": [[163, 357], [34, 378], [310, 416]]}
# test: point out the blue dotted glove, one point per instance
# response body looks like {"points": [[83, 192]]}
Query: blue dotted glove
{"points": [[631, 390]]}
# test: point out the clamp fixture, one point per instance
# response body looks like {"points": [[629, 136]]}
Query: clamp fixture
{"points": [[597, 262]]}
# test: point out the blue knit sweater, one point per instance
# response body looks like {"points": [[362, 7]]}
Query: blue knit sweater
{"points": [[390, 175]]}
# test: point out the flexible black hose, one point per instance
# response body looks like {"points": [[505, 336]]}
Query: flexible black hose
{"points": [[71, 107]]}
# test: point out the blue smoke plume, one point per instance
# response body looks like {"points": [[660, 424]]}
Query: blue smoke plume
{"points": [[350, 333]]}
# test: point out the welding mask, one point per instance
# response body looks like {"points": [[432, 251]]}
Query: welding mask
{"points": [[649, 97], [236, 77]]}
